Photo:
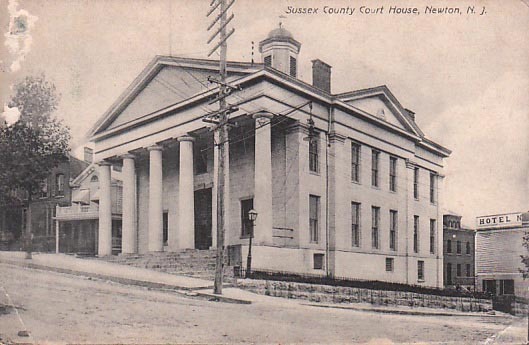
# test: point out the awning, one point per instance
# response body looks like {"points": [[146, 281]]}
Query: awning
{"points": [[95, 196], [81, 195]]}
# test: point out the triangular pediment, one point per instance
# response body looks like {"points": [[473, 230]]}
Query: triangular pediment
{"points": [[382, 104], [166, 81], [169, 86]]}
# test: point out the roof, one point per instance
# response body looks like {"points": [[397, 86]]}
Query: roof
{"points": [[248, 73], [280, 32], [77, 166]]}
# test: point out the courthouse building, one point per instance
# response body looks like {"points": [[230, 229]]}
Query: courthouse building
{"points": [[344, 184], [499, 247]]}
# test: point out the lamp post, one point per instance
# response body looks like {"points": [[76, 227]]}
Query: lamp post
{"points": [[252, 216]]}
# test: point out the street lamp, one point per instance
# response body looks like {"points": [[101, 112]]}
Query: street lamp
{"points": [[252, 216]]}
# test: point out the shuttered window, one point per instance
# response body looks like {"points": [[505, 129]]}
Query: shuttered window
{"points": [[393, 174], [268, 60], [355, 224], [293, 67], [375, 220], [393, 221], [314, 207], [415, 234], [355, 162]]}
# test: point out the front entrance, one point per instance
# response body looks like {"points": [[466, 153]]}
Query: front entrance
{"points": [[203, 218]]}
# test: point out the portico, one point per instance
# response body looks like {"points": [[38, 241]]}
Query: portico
{"points": [[169, 189]]}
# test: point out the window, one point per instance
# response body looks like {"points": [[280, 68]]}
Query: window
{"points": [[268, 61], [432, 188], [468, 270], [374, 168], [432, 236], [355, 224], [458, 244], [165, 227], [200, 158], [489, 285], [458, 268], [449, 246], [314, 211], [246, 223], [420, 270], [117, 168], [449, 273], [375, 219], [393, 174], [416, 234], [313, 154], [416, 183], [94, 179], [293, 67], [318, 261], [355, 162], [468, 248], [507, 287], [44, 188], [389, 264], [393, 221], [59, 184]]}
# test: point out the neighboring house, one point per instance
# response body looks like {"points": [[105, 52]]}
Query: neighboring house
{"points": [[55, 191], [458, 253], [77, 223], [499, 248], [356, 193]]}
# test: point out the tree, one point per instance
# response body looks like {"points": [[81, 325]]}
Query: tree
{"points": [[525, 258], [33, 146]]}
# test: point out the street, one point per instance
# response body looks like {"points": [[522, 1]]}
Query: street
{"points": [[60, 308]]}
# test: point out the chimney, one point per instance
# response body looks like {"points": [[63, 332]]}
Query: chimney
{"points": [[321, 75], [411, 114], [88, 155]]}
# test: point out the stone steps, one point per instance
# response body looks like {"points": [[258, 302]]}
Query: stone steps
{"points": [[189, 262]]}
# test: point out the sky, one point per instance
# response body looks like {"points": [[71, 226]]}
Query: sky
{"points": [[464, 75]]}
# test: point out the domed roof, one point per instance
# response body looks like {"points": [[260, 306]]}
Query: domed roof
{"points": [[280, 32]]}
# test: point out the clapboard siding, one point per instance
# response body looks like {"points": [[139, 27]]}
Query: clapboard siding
{"points": [[499, 251]]}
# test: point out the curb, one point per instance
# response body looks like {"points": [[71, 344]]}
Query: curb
{"points": [[184, 291], [404, 312]]}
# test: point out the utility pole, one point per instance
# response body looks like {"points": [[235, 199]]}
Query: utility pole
{"points": [[221, 119]]}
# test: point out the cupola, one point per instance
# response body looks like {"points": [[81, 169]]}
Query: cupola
{"points": [[280, 50]]}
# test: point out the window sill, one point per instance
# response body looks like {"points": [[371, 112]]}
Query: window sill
{"points": [[314, 173], [245, 237], [375, 187], [420, 280], [356, 182]]}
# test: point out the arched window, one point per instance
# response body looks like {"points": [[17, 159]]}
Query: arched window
{"points": [[59, 184], [94, 179]]}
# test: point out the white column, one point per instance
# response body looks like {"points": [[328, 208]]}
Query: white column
{"points": [[155, 199], [105, 211], [128, 240], [263, 178], [186, 196]]}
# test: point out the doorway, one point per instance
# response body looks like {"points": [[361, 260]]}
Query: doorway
{"points": [[203, 214]]}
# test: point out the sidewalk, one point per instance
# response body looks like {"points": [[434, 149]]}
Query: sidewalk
{"points": [[123, 274]]}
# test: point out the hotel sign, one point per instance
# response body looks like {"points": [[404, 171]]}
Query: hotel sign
{"points": [[499, 221]]}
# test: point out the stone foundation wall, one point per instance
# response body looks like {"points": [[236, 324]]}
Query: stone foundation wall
{"points": [[334, 294]]}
